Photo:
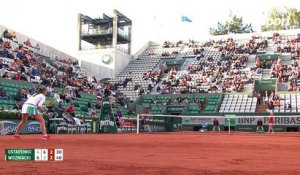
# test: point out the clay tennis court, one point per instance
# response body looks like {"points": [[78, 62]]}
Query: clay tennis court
{"points": [[165, 153]]}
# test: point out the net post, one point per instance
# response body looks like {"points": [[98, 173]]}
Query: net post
{"points": [[137, 123], [229, 124]]}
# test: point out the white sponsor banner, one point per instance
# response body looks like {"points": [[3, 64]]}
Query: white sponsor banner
{"points": [[244, 120], [279, 120]]}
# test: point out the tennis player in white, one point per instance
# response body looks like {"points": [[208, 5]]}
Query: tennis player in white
{"points": [[32, 107]]}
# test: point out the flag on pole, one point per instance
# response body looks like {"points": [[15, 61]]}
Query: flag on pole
{"points": [[185, 19]]}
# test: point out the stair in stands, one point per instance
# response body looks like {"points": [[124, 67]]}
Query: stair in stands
{"points": [[261, 108]]}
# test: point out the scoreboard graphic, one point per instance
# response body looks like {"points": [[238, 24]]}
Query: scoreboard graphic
{"points": [[20, 154]]}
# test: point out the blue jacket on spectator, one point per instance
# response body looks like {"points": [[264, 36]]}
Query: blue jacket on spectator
{"points": [[20, 55], [35, 72]]}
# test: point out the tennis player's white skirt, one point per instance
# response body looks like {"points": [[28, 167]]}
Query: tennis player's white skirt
{"points": [[30, 109]]}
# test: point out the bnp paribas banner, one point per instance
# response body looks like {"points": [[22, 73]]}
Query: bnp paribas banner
{"points": [[10, 126], [107, 121], [278, 120], [244, 120]]}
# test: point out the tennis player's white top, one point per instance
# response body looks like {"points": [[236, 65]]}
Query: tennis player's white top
{"points": [[36, 100]]}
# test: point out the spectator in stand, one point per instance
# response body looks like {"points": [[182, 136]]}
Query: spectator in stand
{"points": [[37, 46], [77, 94], [176, 101], [287, 105], [119, 113], [6, 34], [17, 76], [49, 89], [28, 43], [272, 96], [130, 111], [3, 94], [258, 96], [59, 109], [13, 36], [50, 105], [56, 96], [69, 96], [98, 105], [276, 101], [92, 112], [62, 95], [28, 55], [1, 63], [15, 65], [271, 106], [186, 101], [89, 104], [35, 73], [6, 75], [266, 98], [21, 97], [6, 45], [70, 110], [21, 53]]}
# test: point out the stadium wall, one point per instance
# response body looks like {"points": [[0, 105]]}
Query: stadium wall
{"points": [[139, 52], [103, 63], [122, 60]]}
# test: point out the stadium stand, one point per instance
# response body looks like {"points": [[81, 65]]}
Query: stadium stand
{"points": [[216, 76]]}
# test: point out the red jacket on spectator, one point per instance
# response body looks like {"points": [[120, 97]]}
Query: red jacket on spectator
{"points": [[18, 76], [276, 103], [70, 109]]}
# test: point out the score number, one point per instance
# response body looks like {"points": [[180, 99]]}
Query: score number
{"points": [[48, 155], [59, 154]]}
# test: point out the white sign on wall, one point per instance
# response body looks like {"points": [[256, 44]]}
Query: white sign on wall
{"points": [[103, 58]]}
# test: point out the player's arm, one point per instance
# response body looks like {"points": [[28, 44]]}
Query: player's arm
{"points": [[40, 104]]}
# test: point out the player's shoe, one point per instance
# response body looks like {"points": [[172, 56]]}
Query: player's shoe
{"points": [[17, 137], [46, 137]]}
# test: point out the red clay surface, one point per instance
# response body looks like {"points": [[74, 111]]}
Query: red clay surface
{"points": [[164, 153]]}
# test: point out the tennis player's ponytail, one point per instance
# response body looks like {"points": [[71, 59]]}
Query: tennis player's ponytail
{"points": [[41, 89]]}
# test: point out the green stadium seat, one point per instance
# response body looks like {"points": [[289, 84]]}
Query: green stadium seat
{"points": [[11, 102], [193, 108], [192, 112], [147, 101], [85, 109], [75, 104], [148, 97]]}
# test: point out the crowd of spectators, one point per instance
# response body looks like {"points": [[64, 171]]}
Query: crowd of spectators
{"points": [[231, 46], [287, 46], [288, 73], [230, 72], [225, 74], [60, 72], [28, 66]]}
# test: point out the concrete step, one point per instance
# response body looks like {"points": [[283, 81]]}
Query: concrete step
{"points": [[261, 108]]}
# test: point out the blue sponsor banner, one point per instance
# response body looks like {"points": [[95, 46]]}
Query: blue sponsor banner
{"points": [[10, 126]]}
